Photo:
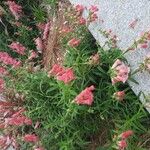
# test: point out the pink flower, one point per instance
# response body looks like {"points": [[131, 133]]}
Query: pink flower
{"points": [[93, 17], [3, 140], [85, 97], [2, 85], [126, 134], [56, 70], [94, 59], [82, 21], [65, 29], [33, 54], [120, 95], [28, 121], [17, 47], [79, 8], [15, 9], [120, 72], [3, 71], [41, 26], [46, 30], [39, 44], [17, 121], [74, 42], [93, 9], [31, 138], [122, 144], [144, 45], [67, 76]]}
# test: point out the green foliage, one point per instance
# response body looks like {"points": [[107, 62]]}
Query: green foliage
{"points": [[64, 125]]}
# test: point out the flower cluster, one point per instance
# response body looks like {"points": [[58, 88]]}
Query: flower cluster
{"points": [[122, 143], [74, 42], [17, 47], [120, 72], [85, 97], [62, 74], [93, 16], [8, 60], [15, 9], [142, 41]]}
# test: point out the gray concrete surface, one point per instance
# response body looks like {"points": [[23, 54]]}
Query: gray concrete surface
{"points": [[117, 15]]}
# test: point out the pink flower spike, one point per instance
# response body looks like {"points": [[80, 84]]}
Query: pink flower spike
{"points": [[28, 121], [144, 45], [93, 17], [33, 55], [120, 72], [74, 42], [19, 121], [15, 9], [3, 71], [93, 9], [79, 8], [17, 47], [56, 70], [126, 134], [67, 76], [85, 97], [82, 21], [122, 144], [31, 138]]}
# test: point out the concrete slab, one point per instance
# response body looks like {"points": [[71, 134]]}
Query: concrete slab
{"points": [[118, 15]]}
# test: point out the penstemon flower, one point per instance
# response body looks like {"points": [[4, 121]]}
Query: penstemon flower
{"points": [[74, 42], [126, 134], [122, 144], [17, 47], [67, 76], [15, 9], [79, 8], [85, 97], [120, 72], [31, 138], [93, 9]]}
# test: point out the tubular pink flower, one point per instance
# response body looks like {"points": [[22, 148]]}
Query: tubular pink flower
{"points": [[67, 76], [74, 42], [122, 144], [93, 9], [85, 97], [15, 9], [17, 47], [57, 70], [79, 8], [31, 138], [126, 134], [82, 21], [120, 72]]}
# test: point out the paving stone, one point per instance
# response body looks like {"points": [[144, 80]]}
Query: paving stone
{"points": [[118, 15]]}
